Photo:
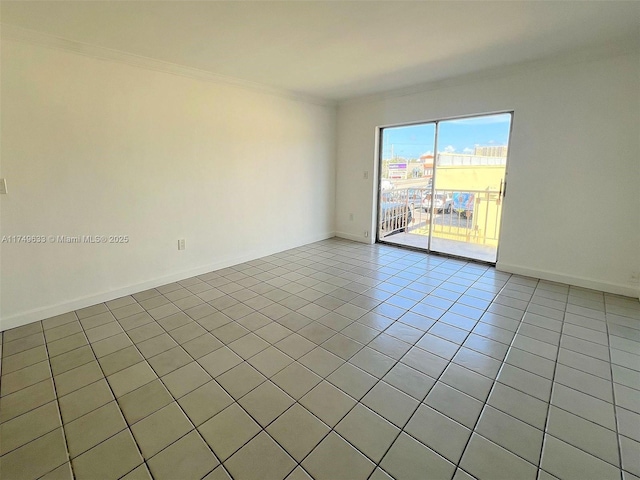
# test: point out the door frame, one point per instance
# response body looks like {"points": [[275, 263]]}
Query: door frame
{"points": [[379, 134]]}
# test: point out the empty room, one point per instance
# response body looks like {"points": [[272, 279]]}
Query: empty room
{"points": [[332, 240]]}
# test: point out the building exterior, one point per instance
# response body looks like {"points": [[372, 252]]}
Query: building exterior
{"points": [[491, 151]]}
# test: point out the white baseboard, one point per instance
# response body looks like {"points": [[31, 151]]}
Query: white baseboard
{"points": [[41, 313], [355, 238], [618, 289]]}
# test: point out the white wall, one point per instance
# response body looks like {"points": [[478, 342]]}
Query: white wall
{"points": [[95, 147], [571, 212]]}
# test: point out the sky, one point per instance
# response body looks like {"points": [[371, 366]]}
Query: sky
{"points": [[459, 136]]}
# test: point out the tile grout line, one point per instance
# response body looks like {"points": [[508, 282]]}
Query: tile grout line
{"points": [[545, 433], [55, 393], [613, 397], [296, 401], [557, 362], [358, 402], [196, 361], [236, 401], [493, 384], [560, 408], [619, 466], [214, 379], [331, 429], [402, 429], [334, 269], [159, 378], [115, 397]]}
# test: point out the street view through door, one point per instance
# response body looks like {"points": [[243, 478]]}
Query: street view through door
{"points": [[442, 185]]}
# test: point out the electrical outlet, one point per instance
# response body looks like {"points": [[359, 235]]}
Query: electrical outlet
{"points": [[365, 175], [366, 233], [3, 186], [181, 244], [351, 217]]}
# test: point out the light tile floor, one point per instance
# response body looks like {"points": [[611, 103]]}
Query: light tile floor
{"points": [[335, 360]]}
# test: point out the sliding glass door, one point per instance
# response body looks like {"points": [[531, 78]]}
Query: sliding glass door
{"points": [[406, 177], [442, 185]]}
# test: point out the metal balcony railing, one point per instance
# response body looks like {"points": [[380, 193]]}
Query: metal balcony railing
{"points": [[471, 216]]}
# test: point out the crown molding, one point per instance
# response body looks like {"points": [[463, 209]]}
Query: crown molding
{"points": [[619, 47], [19, 34]]}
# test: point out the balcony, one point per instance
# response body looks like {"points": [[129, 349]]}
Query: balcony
{"points": [[465, 224]]}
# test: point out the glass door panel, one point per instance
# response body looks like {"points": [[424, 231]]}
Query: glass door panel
{"points": [[470, 175], [406, 177]]}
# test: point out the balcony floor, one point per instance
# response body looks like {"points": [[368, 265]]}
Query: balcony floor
{"points": [[484, 253]]}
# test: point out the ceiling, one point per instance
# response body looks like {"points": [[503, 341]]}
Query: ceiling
{"points": [[335, 49]]}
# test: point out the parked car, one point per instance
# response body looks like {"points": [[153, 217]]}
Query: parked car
{"points": [[415, 196], [412, 197], [463, 203], [443, 203], [394, 217], [386, 185]]}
